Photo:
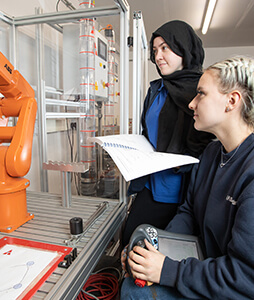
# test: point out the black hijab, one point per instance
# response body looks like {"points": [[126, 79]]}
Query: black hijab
{"points": [[176, 133], [183, 41]]}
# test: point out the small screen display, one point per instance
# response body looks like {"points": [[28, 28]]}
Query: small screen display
{"points": [[102, 49], [178, 249]]}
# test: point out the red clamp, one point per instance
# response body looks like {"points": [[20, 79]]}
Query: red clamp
{"points": [[139, 282]]}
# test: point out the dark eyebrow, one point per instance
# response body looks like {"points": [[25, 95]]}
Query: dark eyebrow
{"points": [[161, 44]]}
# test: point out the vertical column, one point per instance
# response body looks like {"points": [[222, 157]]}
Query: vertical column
{"points": [[87, 102], [42, 128], [109, 107], [110, 179]]}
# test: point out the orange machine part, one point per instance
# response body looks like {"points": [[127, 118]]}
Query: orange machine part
{"points": [[15, 159]]}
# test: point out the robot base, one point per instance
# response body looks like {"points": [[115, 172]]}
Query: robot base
{"points": [[13, 207]]}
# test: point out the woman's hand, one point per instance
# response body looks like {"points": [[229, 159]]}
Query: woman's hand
{"points": [[147, 263], [123, 260]]}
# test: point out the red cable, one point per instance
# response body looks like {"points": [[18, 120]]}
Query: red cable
{"points": [[105, 284]]}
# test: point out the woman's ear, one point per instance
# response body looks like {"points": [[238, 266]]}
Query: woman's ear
{"points": [[234, 99]]}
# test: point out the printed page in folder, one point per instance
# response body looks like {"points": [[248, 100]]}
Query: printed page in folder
{"points": [[135, 156], [25, 265]]}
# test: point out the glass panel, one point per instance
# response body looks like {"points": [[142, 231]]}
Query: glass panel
{"points": [[80, 69]]}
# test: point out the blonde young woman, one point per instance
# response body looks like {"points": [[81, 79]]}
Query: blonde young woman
{"points": [[219, 207]]}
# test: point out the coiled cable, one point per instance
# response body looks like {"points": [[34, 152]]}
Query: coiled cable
{"points": [[100, 286]]}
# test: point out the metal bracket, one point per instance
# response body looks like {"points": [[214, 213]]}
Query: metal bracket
{"points": [[137, 15], [66, 169]]}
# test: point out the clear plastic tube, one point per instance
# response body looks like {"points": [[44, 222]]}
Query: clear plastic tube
{"points": [[110, 181], [87, 126], [109, 107]]}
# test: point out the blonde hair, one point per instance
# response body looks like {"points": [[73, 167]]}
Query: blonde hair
{"points": [[238, 73]]}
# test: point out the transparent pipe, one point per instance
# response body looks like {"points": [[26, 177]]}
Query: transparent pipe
{"points": [[109, 107], [110, 179], [87, 102]]}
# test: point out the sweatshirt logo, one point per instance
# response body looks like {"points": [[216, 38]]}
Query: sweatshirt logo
{"points": [[230, 199]]}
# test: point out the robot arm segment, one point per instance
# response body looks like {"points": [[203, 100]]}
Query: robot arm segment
{"points": [[19, 102], [12, 83], [18, 156]]}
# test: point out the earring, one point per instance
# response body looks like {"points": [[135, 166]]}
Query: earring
{"points": [[227, 109]]}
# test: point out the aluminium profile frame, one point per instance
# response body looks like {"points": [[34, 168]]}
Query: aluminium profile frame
{"points": [[69, 284], [139, 46], [122, 8]]}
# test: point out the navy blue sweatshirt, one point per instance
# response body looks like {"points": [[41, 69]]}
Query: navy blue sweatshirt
{"points": [[220, 209]]}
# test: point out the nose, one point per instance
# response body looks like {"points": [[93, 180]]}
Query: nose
{"points": [[158, 55], [192, 104]]}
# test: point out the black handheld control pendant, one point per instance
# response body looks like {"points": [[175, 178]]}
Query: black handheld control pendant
{"points": [[142, 232], [176, 246]]}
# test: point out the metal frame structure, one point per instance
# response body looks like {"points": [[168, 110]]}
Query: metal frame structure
{"points": [[121, 8], [140, 69], [51, 216], [50, 225]]}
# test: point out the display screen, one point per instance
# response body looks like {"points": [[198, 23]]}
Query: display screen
{"points": [[178, 249], [102, 49]]}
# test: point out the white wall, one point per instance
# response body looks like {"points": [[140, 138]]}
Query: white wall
{"points": [[19, 8], [213, 55]]}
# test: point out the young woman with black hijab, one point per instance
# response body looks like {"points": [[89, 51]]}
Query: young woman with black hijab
{"points": [[167, 123]]}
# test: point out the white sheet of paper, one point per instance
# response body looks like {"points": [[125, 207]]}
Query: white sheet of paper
{"points": [[143, 160], [134, 163], [20, 265], [136, 141]]}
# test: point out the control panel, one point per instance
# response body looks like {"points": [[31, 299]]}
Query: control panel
{"points": [[101, 66]]}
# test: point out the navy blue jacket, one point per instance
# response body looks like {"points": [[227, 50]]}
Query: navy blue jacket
{"points": [[138, 184], [201, 139], [220, 209]]}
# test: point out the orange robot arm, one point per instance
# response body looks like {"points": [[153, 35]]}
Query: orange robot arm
{"points": [[19, 102], [16, 150]]}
